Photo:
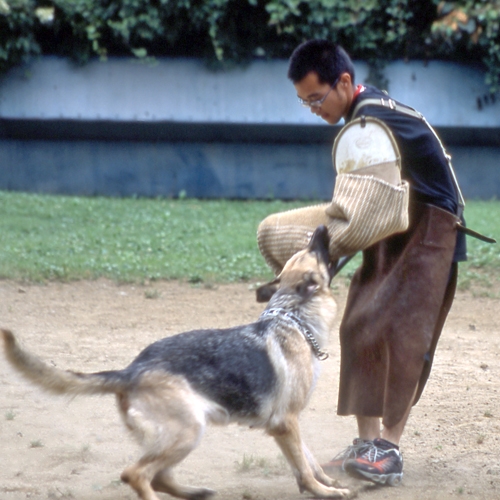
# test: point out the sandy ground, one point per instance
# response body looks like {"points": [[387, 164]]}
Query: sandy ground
{"points": [[53, 447]]}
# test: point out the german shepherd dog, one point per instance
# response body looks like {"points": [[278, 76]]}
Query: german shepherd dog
{"points": [[260, 375]]}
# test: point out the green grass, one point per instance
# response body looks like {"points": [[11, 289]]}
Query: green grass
{"points": [[261, 464], [125, 239], [481, 272], [45, 237]]}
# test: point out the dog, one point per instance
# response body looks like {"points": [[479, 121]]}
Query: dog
{"points": [[261, 375]]}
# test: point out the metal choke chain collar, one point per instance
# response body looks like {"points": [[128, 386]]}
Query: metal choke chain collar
{"points": [[281, 313]]}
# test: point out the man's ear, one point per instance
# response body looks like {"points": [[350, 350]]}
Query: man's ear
{"points": [[346, 80], [265, 292]]}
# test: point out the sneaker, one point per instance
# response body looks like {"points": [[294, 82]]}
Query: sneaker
{"points": [[381, 463], [337, 463]]}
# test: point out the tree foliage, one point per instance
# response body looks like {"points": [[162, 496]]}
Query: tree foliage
{"points": [[228, 32]]}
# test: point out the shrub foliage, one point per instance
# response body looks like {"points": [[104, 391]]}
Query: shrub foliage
{"points": [[228, 32]]}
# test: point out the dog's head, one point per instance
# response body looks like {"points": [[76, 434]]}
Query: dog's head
{"points": [[306, 272]]}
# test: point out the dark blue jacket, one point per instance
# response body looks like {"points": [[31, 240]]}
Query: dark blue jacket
{"points": [[423, 160]]}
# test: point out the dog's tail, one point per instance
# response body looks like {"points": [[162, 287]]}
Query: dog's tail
{"points": [[56, 380]]}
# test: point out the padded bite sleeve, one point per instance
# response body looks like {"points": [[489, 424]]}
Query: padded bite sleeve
{"points": [[364, 210]]}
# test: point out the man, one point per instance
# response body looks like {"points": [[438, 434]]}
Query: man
{"points": [[400, 296]]}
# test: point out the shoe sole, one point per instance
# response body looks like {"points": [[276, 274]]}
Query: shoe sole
{"points": [[393, 479]]}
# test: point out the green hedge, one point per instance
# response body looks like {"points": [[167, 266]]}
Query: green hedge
{"points": [[228, 32]]}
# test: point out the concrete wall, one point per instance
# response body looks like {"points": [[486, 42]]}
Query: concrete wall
{"points": [[234, 170], [121, 128]]}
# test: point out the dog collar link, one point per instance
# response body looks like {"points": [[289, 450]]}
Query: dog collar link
{"points": [[280, 313]]}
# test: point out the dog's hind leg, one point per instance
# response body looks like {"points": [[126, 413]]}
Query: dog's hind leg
{"points": [[287, 436], [169, 421], [138, 477], [153, 472], [165, 483]]}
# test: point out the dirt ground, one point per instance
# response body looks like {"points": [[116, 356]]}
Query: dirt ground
{"points": [[54, 447]]}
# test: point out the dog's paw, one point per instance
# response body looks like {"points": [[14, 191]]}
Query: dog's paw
{"points": [[340, 493], [322, 491], [348, 494], [202, 494], [330, 481]]}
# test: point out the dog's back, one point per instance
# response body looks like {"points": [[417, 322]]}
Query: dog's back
{"points": [[231, 367]]}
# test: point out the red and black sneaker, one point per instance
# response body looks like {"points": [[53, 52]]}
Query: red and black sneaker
{"points": [[381, 463], [337, 463]]}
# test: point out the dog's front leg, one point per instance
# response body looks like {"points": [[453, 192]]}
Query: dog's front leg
{"points": [[287, 435], [318, 472]]}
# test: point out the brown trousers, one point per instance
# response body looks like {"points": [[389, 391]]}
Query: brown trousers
{"points": [[397, 304]]}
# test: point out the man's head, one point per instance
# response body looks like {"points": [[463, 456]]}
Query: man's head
{"points": [[323, 75], [325, 58]]}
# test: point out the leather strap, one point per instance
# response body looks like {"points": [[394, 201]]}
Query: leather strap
{"points": [[407, 110], [387, 103]]}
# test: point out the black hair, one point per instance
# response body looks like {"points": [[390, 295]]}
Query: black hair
{"points": [[325, 58]]}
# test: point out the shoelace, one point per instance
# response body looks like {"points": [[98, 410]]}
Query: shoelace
{"points": [[374, 452], [358, 446], [371, 453]]}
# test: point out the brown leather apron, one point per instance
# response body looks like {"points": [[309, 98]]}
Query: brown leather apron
{"points": [[396, 308]]}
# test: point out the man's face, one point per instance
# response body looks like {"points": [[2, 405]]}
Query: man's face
{"points": [[337, 98]]}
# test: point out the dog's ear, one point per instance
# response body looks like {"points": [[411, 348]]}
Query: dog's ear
{"points": [[307, 288], [320, 243], [265, 292]]}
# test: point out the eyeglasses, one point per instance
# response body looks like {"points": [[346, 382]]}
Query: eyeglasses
{"points": [[318, 102]]}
